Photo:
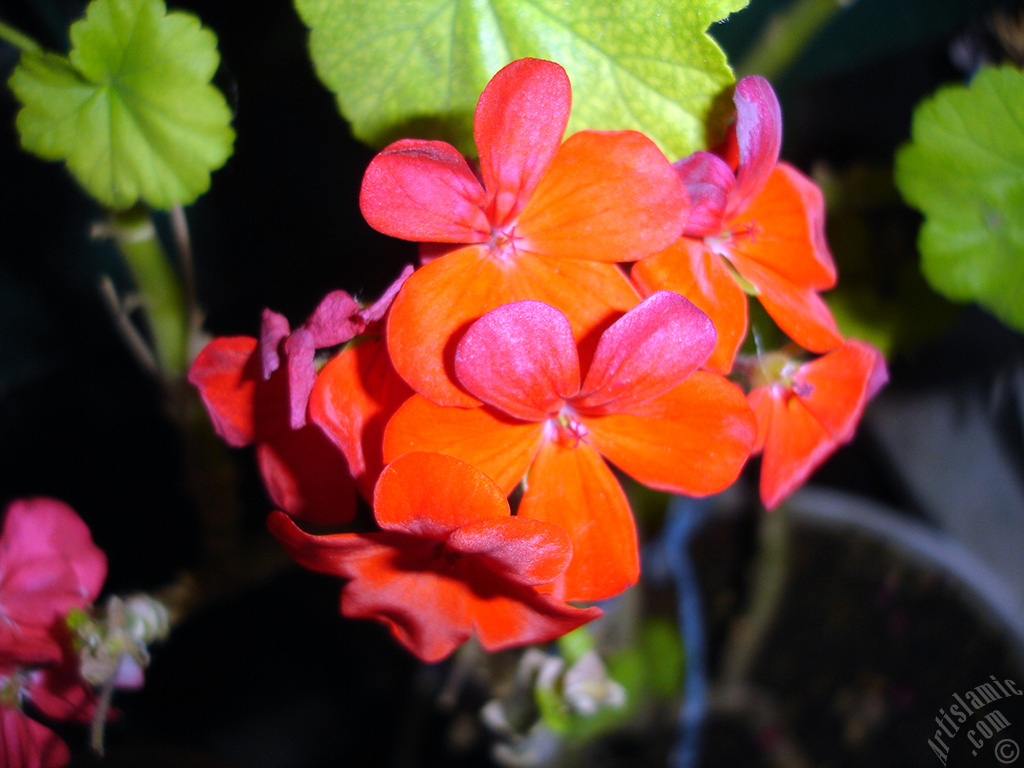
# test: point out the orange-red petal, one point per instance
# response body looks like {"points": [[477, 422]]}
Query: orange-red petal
{"points": [[803, 426], [800, 312], [783, 229], [574, 489], [431, 494], [498, 445], [608, 196], [354, 396], [693, 439], [692, 269]]}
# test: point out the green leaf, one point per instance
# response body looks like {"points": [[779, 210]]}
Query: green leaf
{"points": [[415, 69], [131, 110], [964, 170]]}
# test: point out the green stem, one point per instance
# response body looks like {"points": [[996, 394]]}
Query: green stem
{"points": [[159, 287], [786, 35], [19, 40]]}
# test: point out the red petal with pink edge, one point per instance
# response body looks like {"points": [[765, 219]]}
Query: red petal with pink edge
{"points": [[424, 190], [493, 442], [799, 312], [709, 181], [646, 352], [431, 494], [227, 385], [307, 476], [518, 127], [574, 489], [608, 196], [693, 439], [523, 550], [521, 358], [24, 743], [835, 388], [689, 267], [353, 398], [783, 229], [758, 136]]}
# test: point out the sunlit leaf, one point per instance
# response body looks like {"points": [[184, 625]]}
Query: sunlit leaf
{"points": [[964, 170], [131, 110], [415, 69]]}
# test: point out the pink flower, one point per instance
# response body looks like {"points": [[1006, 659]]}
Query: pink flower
{"points": [[48, 565]]}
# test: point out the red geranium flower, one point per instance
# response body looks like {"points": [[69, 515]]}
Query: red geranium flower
{"points": [[258, 391], [806, 411], [450, 561], [643, 405], [545, 220], [761, 227]]}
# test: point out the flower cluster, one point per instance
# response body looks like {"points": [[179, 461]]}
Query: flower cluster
{"points": [[49, 566], [522, 355]]}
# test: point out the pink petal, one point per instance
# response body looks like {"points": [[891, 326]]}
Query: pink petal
{"points": [[647, 352], [335, 320], [424, 190], [273, 329], [300, 351], [518, 126], [42, 529], [573, 488], [520, 358], [379, 308], [709, 181], [24, 743], [759, 135]]}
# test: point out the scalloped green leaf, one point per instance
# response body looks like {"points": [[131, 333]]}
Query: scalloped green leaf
{"points": [[415, 69], [131, 110], [964, 170]]}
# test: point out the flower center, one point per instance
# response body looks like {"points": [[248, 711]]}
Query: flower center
{"points": [[565, 428], [502, 243]]}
